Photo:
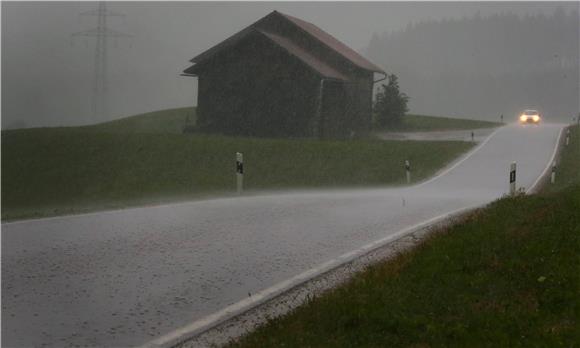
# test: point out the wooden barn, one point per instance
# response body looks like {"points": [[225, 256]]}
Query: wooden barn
{"points": [[284, 77]]}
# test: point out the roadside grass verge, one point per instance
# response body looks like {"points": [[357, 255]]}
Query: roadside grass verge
{"points": [[423, 123], [568, 165], [506, 276], [56, 171]]}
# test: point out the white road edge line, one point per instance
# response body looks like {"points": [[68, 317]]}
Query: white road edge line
{"points": [[206, 323], [532, 188], [461, 160]]}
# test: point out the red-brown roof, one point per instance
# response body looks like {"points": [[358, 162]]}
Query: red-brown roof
{"points": [[334, 44], [307, 58], [310, 29], [230, 41]]}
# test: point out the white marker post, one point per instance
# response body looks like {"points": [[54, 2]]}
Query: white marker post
{"points": [[408, 170], [240, 172], [513, 178], [553, 180], [567, 136]]}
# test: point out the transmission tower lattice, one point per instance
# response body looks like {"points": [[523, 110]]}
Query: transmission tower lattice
{"points": [[101, 33]]}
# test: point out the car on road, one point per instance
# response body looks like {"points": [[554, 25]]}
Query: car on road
{"points": [[530, 116]]}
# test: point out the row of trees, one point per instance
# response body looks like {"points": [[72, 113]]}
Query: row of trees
{"points": [[496, 44], [481, 66]]}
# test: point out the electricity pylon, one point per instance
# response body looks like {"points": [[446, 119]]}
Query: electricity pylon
{"points": [[101, 33]]}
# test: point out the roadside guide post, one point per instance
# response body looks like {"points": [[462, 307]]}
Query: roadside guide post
{"points": [[472, 135], [513, 178], [567, 136], [240, 172], [408, 171], [553, 180]]}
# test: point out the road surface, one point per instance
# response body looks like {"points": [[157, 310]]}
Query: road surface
{"points": [[456, 135], [123, 278]]}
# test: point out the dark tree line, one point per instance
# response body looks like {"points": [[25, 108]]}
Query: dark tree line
{"points": [[483, 66]]}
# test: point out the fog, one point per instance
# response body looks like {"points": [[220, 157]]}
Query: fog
{"points": [[47, 78]]}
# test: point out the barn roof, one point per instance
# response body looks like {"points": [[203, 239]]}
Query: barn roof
{"points": [[312, 62], [307, 58], [334, 44], [308, 28]]}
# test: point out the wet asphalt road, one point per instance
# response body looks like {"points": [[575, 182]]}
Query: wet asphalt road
{"points": [[124, 277], [455, 135]]}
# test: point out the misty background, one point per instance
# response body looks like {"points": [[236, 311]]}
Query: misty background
{"points": [[472, 59]]}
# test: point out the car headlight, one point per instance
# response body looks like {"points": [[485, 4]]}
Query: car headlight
{"points": [[523, 117], [536, 118]]}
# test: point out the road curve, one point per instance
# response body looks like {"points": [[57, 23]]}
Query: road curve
{"points": [[123, 278]]}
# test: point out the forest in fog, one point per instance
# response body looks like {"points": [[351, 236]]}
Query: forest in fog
{"points": [[483, 66]]}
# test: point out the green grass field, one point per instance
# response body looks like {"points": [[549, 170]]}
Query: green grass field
{"points": [[164, 121], [55, 171], [173, 120], [568, 166], [508, 275], [422, 123]]}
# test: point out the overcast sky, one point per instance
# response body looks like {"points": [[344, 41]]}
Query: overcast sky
{"points": [[47, 78]]}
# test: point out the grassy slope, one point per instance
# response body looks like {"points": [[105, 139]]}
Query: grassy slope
{"points": [[422, 123], [568, 168], [163, 121], [67, 170], [172, 121], [507, 276]]}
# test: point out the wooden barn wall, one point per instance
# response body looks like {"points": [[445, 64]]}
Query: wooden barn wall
{"points": [[265, 94], [356, 103], [364, 99], [270, 94], [347, 108], [358, 91], [334, 122]]}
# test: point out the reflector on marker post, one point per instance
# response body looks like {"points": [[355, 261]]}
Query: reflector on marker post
{"points": [[513, 178], [408, 170], [240, 172]]}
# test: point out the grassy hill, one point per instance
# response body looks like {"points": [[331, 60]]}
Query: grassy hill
{"points": [[173, 120], [163, 121], [145, 159]]}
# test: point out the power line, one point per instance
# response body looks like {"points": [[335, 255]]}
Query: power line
{"points": [[101, 33]]}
